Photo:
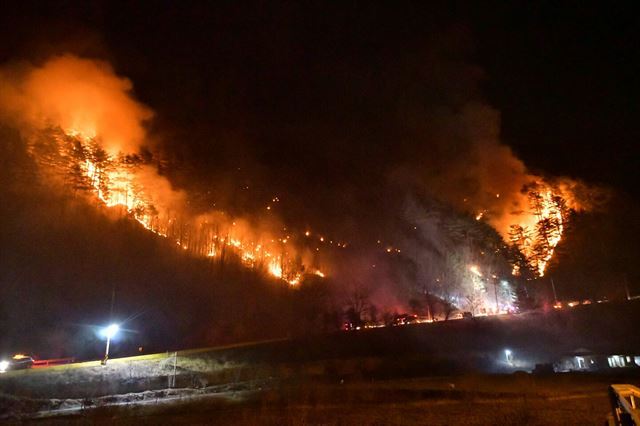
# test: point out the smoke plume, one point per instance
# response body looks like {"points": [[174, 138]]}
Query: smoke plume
{"points": [[82, 96], [92, 131]]}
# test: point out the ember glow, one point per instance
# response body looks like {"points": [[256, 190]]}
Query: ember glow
{"points": [[537, 230], [117, 184], [474, 269], [546, 221], [93, 131], [492, 185]]}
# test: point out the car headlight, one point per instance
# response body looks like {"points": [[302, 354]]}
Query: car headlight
{"points": [[4, 365]]}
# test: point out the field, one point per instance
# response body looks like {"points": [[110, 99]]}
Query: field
{"points": [[514, 399], [435, 374]]}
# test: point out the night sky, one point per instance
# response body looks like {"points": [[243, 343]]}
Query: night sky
{"points": [[279, 82]]}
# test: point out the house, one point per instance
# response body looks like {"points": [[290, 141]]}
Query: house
{"points": [[586, 360]]}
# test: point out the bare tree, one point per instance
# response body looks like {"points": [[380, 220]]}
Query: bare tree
{"points": [[473, 302], [357, 303]]}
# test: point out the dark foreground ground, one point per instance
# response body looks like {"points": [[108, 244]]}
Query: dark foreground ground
{"points": [[513, 399], [449, 373]]}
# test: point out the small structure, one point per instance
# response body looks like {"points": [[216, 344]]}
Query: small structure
{"points": [[623, 361], [579, 360], [586, 360]]}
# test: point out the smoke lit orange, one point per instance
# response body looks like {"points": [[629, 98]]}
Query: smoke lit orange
{"points": [[103, 129]]}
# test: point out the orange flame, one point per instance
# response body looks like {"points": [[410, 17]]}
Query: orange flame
{"points": [[104, 126]]}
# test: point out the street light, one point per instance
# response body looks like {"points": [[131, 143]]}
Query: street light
{"points": [[109, 332], [507, 355]]}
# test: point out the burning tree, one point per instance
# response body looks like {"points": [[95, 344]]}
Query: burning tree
{"points": [[461, 262], [88, 135], [358, 304], [534, 247]]}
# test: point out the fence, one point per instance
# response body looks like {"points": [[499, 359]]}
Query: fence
{"points": [[624, 404]]}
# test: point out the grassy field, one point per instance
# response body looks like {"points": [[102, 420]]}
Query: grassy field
{"points": [[515, 399], [414, 375]]}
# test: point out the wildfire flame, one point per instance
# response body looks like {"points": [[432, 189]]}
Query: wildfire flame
{"points": [[104, 130], [96, 130], [475, 270], [548, 212], [538, 230], [117, 186]]}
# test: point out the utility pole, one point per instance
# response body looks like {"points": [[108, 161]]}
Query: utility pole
{"points": [[427, 301], [626, 288], [106, 351], [175, 367], [109, 333], [553, 287], [495, 289]]}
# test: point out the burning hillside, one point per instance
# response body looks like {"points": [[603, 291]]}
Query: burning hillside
{"points": [[479, 175], [88, 135], [536, 224]]}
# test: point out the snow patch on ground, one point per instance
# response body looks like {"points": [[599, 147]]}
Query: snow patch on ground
{"points": [[23, 408]]}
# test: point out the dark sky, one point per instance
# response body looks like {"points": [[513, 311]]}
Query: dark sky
{"points": [[564, 80], [237, 80]]}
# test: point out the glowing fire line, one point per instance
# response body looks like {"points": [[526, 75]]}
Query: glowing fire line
{"points": [[121, 192]]}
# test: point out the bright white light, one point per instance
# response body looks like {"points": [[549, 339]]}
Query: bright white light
{"points": [[111, 330], [4, 365], [507, 352], [475, 270]]}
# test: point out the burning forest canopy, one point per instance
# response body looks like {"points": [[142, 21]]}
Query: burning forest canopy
{"points": [[395, 205]]}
